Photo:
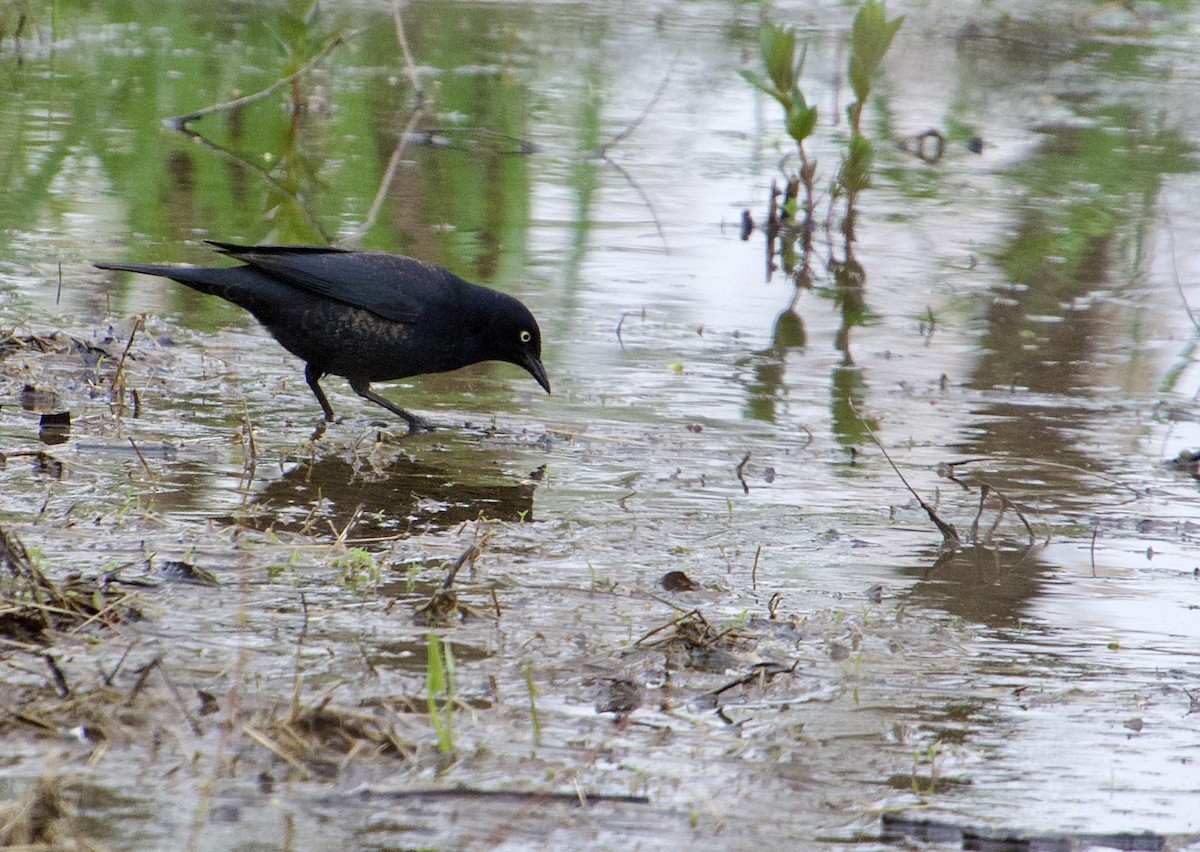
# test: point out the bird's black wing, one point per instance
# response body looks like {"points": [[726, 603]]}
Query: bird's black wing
{"points": [[394, 287]]}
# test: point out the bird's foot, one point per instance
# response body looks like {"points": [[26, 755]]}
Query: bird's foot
{"points": [[417, 424]]}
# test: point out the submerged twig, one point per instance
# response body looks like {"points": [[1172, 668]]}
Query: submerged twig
{"points": [[762, 672], [278, 185], [645, 200], [740, 472], [621, 323], [278, 750], [528, 798], [389, 174], [143, 674], [986, 489], [946, 469], [60, 679], [473, 552]]}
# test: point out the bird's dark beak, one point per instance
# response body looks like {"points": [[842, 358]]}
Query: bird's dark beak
{"points": [[535, 368]]}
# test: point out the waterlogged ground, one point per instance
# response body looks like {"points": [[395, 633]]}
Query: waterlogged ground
{"points": [[216, 620]]}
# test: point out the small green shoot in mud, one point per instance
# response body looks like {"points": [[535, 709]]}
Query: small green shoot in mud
{"points": [[440, 682], [738, 623], [410, 577], [522, 515], [358, 570], [603, 584], [928, 755], [533, 711]]}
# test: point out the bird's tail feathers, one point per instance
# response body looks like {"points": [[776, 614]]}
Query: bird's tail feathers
{"points": [[214, 282]]}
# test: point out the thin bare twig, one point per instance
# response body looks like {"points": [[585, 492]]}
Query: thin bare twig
{"points": [[279, 186], [410, 66], [180, 122], [385, 185], [602, 151], [949, 533], [621, 323], [277, 750], [389, 174], [1175, 272], [142, 459], [645, 200], [117, 388]]}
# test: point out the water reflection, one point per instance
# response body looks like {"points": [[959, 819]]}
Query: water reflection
{"points": [[768, 365], [1090, 197], [790, 247], [981, 584], [392, 495]]}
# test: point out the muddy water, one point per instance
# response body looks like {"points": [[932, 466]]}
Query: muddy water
{"points": [[1022, 325]]}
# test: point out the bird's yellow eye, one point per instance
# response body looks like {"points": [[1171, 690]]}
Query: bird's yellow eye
{"points": [[526, 336]]}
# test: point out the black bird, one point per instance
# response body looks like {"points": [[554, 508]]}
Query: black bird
{"points": [[368, 316]]}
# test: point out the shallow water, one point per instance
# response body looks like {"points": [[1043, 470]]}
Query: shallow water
{"points": [[1023, 317]]}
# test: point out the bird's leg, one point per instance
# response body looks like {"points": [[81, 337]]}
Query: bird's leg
{"points": [[415, 423], [312, 375]]}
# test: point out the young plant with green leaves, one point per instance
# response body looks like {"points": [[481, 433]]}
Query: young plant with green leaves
{"points": [[783, 58], [871, 36], [777, 47]]}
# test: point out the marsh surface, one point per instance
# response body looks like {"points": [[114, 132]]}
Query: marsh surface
{"points": [[253, 671]]}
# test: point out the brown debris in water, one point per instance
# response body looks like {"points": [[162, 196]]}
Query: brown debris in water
{"points": [[31, 605], [677, 581], [690, 641], [57, 343], [42, 819], [320, 740]]}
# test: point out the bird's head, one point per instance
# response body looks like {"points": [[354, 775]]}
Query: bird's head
{"points": [[515, 337]]}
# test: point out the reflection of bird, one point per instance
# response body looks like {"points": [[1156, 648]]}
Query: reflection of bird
{"points": [[368, 316]]}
